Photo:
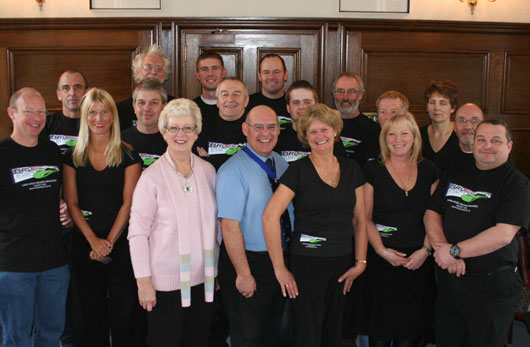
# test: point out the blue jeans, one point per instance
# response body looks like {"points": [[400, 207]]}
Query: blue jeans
{"points": [[32, 307]]}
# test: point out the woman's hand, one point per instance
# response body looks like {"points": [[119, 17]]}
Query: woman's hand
{"points": [[349, 276], [416, 259], [100, 247], [394, 257], [146, 293], [287, 282]]}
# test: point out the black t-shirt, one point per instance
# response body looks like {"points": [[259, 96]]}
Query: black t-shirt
{"points": [[454, 161], [278, 105], [62, 130], [475, 200], [149, 146], [126, 112], [208, 112], [222, 140], [100, 194], [30, 230], [439, 158], [360, 138], [291, 149], [323, 215], [399, 218]]}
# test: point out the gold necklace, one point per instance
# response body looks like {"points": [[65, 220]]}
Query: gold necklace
{"points": [[187, 187], [405, 187], [325, 177]]}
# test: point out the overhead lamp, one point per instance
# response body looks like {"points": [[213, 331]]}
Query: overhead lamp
{"points": [[473, 3], [40, 2]]}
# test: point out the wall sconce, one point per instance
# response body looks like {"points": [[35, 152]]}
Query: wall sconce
{"points": [[40, 2], [473, 3]]}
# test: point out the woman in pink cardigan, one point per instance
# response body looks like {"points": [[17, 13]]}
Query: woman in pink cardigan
{"points": [[173, 234]]}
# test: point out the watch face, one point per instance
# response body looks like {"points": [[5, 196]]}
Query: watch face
{"points": [[455, 251]]}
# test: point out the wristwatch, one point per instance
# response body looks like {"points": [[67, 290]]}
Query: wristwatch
{"points": [[427, 249], [455, 251]]}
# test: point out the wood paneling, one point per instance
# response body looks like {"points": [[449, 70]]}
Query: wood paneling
{"points": [[490, 62]]}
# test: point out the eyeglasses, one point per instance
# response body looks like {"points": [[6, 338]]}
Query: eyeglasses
{"points": [[186, 129], [149, 67], [260, 127], [464, 121], [341, 91]]}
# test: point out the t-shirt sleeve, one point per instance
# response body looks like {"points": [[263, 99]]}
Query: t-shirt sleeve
{"points": [[436, 202], [358, 177], [230, 193], [131, 158], [369, 172], [514, 206], [431, 171], [68, 160], [291, 176]]}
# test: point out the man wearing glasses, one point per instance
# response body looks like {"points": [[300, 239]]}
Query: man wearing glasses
{"points": [[251, 295], [360, 135], [467, 118], [151, 64]]}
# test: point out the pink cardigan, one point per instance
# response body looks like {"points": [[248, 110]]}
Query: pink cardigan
{"points": [[160, 237]]}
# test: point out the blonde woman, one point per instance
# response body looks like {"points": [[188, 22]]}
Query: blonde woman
{"points": [[173, 234], [398, 286], [99, 180], [327, 194]]}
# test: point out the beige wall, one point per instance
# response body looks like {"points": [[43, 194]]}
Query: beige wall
{"points": [[499, 11]]}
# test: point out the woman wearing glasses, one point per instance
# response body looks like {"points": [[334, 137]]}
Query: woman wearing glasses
{"points": [[172, 234], [327, 195], [99, 180]]}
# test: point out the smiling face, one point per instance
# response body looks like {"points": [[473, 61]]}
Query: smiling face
{"points": [[180, 141], [99, 120], [153, 66], [439, 108], [147, 108], [347, 96], [388, 107], [320, 136], [232, 99], [399, 140], [272, 77], [209, 73], [70, 90], [263, 140], [29, 117], [491, 148], [299, 100]]}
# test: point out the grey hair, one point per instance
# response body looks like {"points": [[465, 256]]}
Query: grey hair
{"points": [[139, 58]]}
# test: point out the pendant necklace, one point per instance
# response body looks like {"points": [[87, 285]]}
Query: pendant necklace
{"points": [[326, 175], [187, 187], [405, 186]]}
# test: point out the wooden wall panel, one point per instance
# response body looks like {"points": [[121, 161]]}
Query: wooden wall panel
{"points": [[516, 84]]}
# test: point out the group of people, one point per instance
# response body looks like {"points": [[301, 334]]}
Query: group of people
{"points": [[255, 217]]}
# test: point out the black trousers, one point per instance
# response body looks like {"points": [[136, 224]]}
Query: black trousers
{"points": [[318, 309], [171, 325], [105, 297], [476, 310], [255, 321]]}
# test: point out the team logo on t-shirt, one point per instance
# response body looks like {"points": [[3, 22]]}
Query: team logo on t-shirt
{"points": [[385, 231], [215, 148], [290, 156], [467, 195], [86, 214], [32, 172], [284, 121], [148, 159], [349, 142], [64, 140]]}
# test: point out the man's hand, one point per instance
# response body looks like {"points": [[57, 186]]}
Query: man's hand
{"points": [[66, 220], [246, 285], [458, 269], [443, 258]]}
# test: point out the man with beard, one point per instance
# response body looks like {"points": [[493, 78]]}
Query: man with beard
{"points": [[154, 64], [62, 127], [467, 118], [360, 135], [272, 74], [149, 98], [224, 137], [210, 71]]}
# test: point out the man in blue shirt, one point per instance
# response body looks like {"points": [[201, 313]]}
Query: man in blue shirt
{"points": [[253, 300]]}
